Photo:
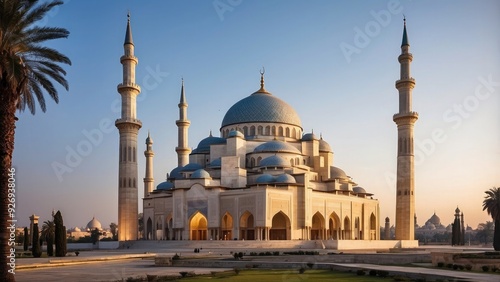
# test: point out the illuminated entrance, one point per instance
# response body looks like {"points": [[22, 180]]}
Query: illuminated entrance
{"points": [[198, 227]]}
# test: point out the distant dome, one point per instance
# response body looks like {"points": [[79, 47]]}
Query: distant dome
{"points": [[435, 220], [191, 167], [93, 224], [336, 172], [167, 185], [265, 178], [77, 229], [276, 146], [216, 163], [201, 173], [324, 146], [285, 178], [309, 137], [204, 145], [274, 161], [261, 106], [235, 133], [359, 190]]}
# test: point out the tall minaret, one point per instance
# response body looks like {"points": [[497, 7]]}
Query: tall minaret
{"points": [[128, 126], [183, 123], [405, 120], [149, 178]]}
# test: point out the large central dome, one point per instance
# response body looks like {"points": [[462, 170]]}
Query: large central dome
{"points": [[261, 106]]}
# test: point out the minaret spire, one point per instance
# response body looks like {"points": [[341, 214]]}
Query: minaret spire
{"points": [[405, 120], [128, 126], [149, 178], [262, 89], [182, 123]]}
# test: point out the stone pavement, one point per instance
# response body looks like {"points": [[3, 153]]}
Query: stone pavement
{"points": [[118, 265]]}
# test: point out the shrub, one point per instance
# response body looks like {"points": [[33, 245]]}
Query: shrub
{"points": [[176, 257], [440, 264], [455, 266], [240, 255], [485, 268], [183, 273], [382, 273], [26, 239], [461, 267], [449, 265], [302, 270], [236, 270], [373, 272], [151, 277], [360, 272], [310, 264], [235, 255], [276, 253], [494, 268], [253, 253], [468, 267], [36, 251]]}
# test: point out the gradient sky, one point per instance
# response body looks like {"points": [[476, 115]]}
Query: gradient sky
{"points": [[218, 47]]}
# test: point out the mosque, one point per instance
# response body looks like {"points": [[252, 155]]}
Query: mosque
{"points": [[263, 178]]}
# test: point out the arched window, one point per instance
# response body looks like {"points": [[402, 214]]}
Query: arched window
{"points": [[252, 130], [260, 130], [134, 154], [129, 153], [287, 132], [280, 131], [245, 130]]}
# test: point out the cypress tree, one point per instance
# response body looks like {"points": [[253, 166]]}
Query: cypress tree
{"points": [[36, 250], [60, 235], [26, 239]]}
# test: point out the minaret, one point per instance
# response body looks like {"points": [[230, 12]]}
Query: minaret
{"points": [[405, 120], [149, 178], [183, 123], [128, 126]]}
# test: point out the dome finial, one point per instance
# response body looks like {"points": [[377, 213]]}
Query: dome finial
{"points": [[262, 72]]}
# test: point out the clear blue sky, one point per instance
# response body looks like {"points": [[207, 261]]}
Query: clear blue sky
{"points": [[219, 48]]}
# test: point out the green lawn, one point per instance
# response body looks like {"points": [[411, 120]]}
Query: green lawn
{"points": [[261, 275]]}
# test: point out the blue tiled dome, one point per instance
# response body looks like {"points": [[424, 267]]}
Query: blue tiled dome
{"points": [[176, 173], [265, 178], [309, 137], [165, 186], [261, 107], [276, 146], [216, 163], [204, 145], [274, 161], [285, 178], [200, 173], [191, 167], [235, 133]]}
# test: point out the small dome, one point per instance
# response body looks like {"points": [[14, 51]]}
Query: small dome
{"points": [[201, 173], [336, 172], [167, 185], [359, 190], [285, 178], [77, 229], [204, 145], [309, 137], [276, 146], [176, 173], [191, 167], [235, 133], [274, 161], [93, 224], [216, 163], [324, 146], [265, 178]]}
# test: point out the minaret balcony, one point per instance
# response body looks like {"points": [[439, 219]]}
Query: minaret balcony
{"points": [[403, 81], [408, 115], [131, 121], [128, 85]]}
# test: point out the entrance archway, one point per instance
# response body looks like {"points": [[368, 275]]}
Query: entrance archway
{"points": [[280, 227], [373, 227], [317, 227], [247, 231], [149, 229], [227, 226], [198, 227], [347, 229], [334, 226]]}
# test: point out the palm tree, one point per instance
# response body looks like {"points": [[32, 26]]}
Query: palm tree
{"points": [[48, 235], [27, 70], [491, 204]]}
